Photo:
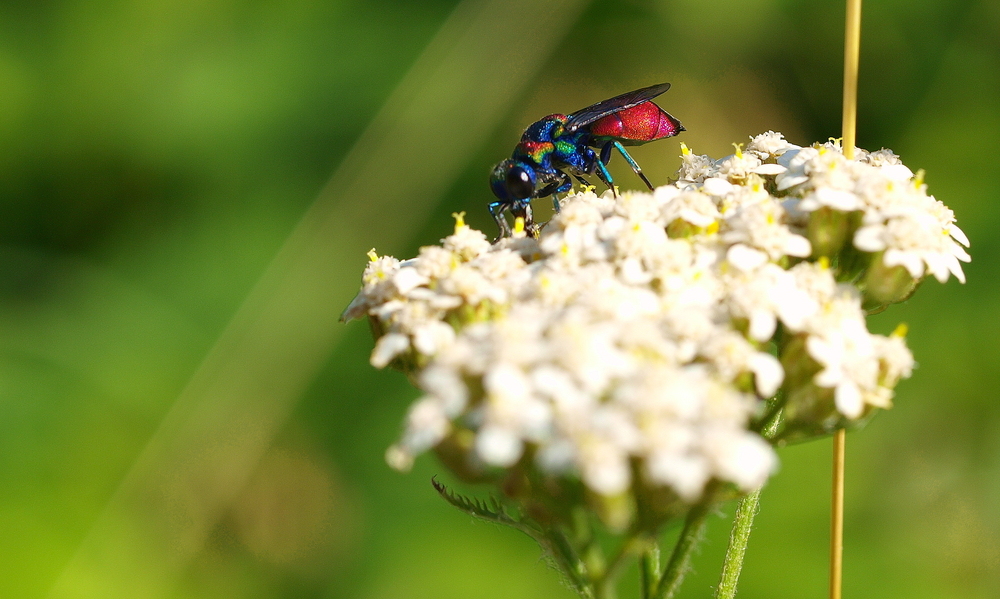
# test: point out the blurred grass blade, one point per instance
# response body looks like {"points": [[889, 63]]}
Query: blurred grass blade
{"points": [[212, 438]]}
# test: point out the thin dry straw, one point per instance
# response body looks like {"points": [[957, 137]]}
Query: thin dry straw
{"points": [[852, 53]]}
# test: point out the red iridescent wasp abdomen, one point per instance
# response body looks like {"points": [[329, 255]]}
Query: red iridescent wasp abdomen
{"points": [[559, 148], [636, 125]]}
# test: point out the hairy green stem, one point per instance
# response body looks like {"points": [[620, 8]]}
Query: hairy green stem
{"points": [[566, 559], [649, 570], [746, 509], [680, 559]]}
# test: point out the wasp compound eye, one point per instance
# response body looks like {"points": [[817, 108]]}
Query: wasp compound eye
{"points": [[519, 183]]}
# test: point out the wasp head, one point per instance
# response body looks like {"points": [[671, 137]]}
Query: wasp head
{"points": [[513, 181]]}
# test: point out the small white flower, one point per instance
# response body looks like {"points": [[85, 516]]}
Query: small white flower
{"points": [[695, 168], [693, 207], [895, 359], [686, 473], [623, 339], [760, 226], [915, 240], [407, 279], [388, 347], [738, 166], [466, 242], [426, 425], [498, 446], [741, 457], [769, 145]]}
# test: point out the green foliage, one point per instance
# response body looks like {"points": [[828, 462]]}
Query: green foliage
{"points": [[155, 155]]}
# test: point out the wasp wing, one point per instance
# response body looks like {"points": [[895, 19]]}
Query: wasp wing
{"points": [[588, 115]]}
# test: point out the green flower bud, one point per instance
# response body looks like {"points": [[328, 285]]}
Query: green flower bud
{"points": [[827, 231], [883, 285]]}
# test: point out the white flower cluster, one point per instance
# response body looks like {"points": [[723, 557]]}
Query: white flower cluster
{"points": [[641, 330]]}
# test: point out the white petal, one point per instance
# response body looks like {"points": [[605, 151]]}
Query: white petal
{"points": [[447, 386], [958, 234], [838, 199], [745, 257], [607, 471], [498, 446], [399, 459], [938, 265], [912, 262], [956, 269], [897, 172], [869, 238], [715, 186], [788, 180], [684, 473], [406, 279], [769, 169], [768, 373], [762, 324], [822, 351], [429, 338], [960, 253], [746, 461], [388, 347], [798, 246], [848, 399], [696, 218]]}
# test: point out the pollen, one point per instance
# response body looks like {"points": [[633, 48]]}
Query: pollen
{"points": [[901, 330], [824, 262], [372, 256], [685, 151], [739, 150], [519, 224], [459, 220]]}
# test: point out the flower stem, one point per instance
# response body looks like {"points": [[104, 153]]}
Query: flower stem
{"points": [[568, 562], [605, 584], [837, 516], [746, 510], [852, 53], [680, 559], [852, 56], [649, 571]]}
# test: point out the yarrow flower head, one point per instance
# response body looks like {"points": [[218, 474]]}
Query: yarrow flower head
{"points": [[633, 355]]}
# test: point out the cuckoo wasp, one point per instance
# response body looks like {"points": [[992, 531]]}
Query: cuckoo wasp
{"points": [[558, 146]]}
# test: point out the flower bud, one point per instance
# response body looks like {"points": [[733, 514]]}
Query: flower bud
{"points": [[827, 231], [615, 511], [885, 285]]}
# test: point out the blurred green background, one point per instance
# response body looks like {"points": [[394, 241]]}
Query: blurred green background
{"points": [[188, 189]]}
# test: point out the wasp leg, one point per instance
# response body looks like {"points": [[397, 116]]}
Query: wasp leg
{"points": [[496, 211], [523, 210], [567, 184], [605, 177], [582, 181], [606, 152], [631, 163]]}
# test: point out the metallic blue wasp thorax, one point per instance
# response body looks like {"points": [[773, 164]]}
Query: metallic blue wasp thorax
{"points": [[547, 145], [546, 129]]}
